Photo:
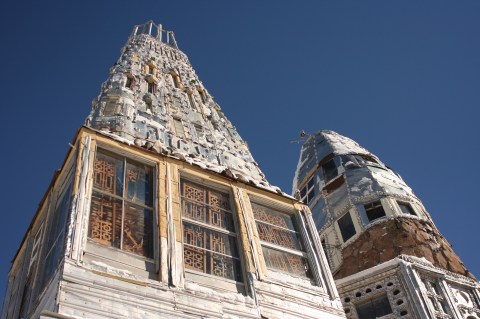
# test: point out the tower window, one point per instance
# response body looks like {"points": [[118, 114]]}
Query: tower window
{"points": [[198, 130], [193, 106], [129, 83], [375, 308], [374, 211], [209, 238], [178, 126], [347, 228], [203, 96], [281, 242], [151, 87], [307, 193], [330, 170], [176, 80], [121, 213], [406, 208]]}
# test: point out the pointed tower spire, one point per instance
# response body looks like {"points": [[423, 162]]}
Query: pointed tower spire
{"points": [[154, 99]]}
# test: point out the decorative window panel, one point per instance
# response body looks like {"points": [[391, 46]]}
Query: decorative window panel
{"points": [[282, 246], [121, 213], [209, 238], [436, 298], [178, 126]]}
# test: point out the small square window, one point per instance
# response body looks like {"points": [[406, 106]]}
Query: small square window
{"points": [[347, 229], [374, 211], [406, 208]]}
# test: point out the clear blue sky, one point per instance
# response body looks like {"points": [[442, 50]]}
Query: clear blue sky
{"points": [[400, 77]]}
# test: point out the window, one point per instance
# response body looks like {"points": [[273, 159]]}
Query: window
{"points": [[375, 308], [281, 243], [406, 208], [374, 211], [129, 83], [121, 214], [435, 296], [110, 108], [35, 249], [191, 101], [152, 87], [198, 130], [176, 80], [56, 234], [307, 193], [347, 229], [178, 126], [209, 238], [203, 95], [330, 170]]}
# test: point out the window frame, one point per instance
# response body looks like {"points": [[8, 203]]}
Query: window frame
{"points": [[340, 228], [132, 159], [371, 303], [197, 275], [409, 207], [309, 190], [374, 207], [306, 253]]}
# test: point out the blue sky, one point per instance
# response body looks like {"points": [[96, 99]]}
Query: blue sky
{"points": [[400, 77]]}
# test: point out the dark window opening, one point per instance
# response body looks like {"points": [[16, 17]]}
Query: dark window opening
{"points": [[151, 87], [330, 170], [333, 186], [347, 229], [129, 82], [406, 208], [374, 211], [374, 308]]}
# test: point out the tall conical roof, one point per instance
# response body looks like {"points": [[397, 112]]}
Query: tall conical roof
{"points": [[154, 99]]}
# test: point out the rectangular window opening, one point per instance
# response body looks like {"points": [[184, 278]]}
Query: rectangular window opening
{"points": [[347, 228], [209, 237], [406, 208], [282, 245], [121, 213], [330, 170], [375, 308], [374, 211]]}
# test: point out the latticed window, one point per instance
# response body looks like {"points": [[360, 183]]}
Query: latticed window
{"points": [[209, 238], [281, 243], [436, 298], [121, 214], [374, 211]]}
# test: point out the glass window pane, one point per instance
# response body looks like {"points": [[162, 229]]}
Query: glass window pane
{"points": [[330, 170], [209, 239], [406, 208], [286, 262], [347, 229], [105, 220], [108, 174], [278, 236], [137, 231], [138, 184], [273, 217]]}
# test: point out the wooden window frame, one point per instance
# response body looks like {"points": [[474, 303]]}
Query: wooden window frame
{"points": [[123, 199], [231, 233], [301, 251], [309, 190]]}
